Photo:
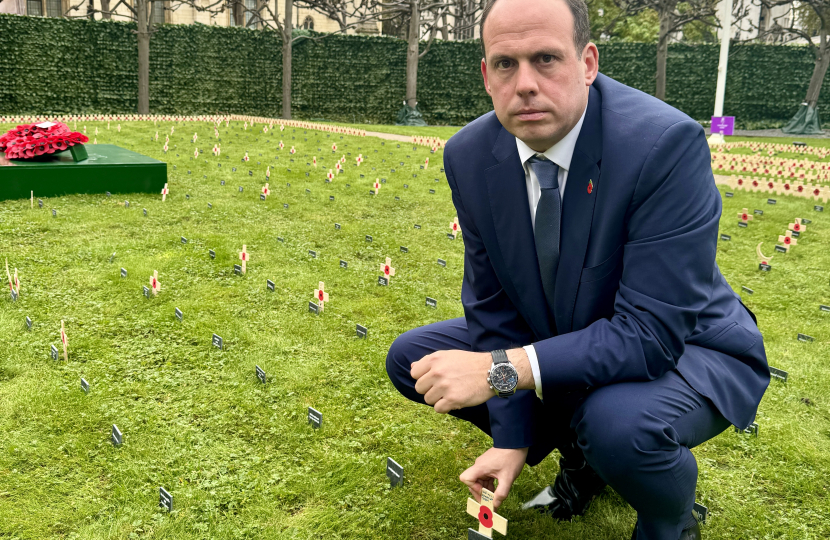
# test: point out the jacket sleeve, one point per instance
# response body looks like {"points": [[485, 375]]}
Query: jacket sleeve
{"points": [[493, 323], [667, 278]]}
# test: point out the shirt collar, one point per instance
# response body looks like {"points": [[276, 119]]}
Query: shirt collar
{"points": [[560, 153]]}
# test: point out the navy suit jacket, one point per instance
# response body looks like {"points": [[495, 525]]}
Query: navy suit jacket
{"points": [[638, 292]]}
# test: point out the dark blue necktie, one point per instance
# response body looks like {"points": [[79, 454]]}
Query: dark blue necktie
{"points": [[547, 223]]}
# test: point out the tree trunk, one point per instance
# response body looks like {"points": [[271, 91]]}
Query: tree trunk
{"points": [[819, 70], [105, 9], [445, 34], [666, 16], [412, 53], [286, 60], [142, 13], [90, 11]]}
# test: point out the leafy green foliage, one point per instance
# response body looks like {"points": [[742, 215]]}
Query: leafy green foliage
{"points": [[198, 69]]}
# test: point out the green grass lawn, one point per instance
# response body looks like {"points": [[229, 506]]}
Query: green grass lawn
{"points": [[238, 456]]}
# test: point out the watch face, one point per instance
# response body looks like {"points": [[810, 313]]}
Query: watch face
{"points": [[503, 377]]}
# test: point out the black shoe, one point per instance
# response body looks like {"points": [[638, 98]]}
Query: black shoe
{"points": [[691, 532], [572, 490]]}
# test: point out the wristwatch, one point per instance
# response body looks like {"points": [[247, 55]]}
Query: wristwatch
{"points": [[502, 377]]}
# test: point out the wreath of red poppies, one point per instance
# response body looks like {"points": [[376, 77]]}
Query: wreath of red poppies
{"points": [[32, 140]]}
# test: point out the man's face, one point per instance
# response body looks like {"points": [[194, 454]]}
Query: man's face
{"points": [[538, 82]]}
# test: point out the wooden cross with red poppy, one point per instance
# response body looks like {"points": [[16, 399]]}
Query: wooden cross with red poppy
{"points": [[281, 145], [337, 166], [155, 286], [788, 240], [246, 158], [195, 136], [243, 256], [386, 269], [455, 228], [314, 160], [292, 151], [16, 282], [359, 159], [334, 148], [164, 191], [488, 520], [266, 190], [11, 283], [376, 186], [426, 163], [745, 216], [330, 175], [196, 153], [321, 296], [65, 343], [797, 226], [215, 149]]}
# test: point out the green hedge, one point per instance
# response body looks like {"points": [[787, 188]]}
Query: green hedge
{"points": [[78, 66]]}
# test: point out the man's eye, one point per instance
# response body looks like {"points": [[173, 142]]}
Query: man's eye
{"points": [[504, 64], [547, 58]]}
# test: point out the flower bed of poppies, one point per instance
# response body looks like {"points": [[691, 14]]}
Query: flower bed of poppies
{"points": [[33, 140]]}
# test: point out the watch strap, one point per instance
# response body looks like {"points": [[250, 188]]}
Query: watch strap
{"points": [[499, 356]]}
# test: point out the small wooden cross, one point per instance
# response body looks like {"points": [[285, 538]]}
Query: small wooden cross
{"points": [[488, 520], [455, 227], [195, 136], [157, 135], [245, 127], [426, 163], [321, 295], [155, 286], [337, 166], [281, 145], [165, 148], [266, 190], [215, 133], [215, 149], [11, 283], [745, 216], [65, 343], [343, 159], [244, 256], [292, 151], [268, 173], [376, 186], [246, 158], [164, 192], [797, 226], [334, 148], [330, 175], [172, 129], [314, 160], [195, 153], [386, 269], [119, 128], [16, 282], [788, 240]]}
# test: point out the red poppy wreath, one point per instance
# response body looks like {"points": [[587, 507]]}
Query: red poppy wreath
{"points": [[33, 140]]}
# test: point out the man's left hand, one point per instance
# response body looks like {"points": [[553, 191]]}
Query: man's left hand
{"points": [[451, 380]]}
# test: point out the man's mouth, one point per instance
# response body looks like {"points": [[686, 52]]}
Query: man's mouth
{"points": [[529, 115]]}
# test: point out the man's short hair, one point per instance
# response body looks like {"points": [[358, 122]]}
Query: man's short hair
{"points": [[582, 24]]}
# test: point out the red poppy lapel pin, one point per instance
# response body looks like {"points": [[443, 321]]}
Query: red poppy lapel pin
{"points": [[590, 186]]}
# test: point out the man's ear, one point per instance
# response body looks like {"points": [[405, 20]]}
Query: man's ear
{"points": [[590, 56], [484, 75]]}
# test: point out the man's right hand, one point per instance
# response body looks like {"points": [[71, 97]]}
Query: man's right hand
{"points": [[502, 464]]}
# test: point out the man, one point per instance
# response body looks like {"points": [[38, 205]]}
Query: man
{"points": [[590, 218]]}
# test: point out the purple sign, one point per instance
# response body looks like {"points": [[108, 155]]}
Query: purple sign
{"points": [[725, 125]]}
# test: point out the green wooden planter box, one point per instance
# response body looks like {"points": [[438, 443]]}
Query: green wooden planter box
{"points": [[107, 168]]}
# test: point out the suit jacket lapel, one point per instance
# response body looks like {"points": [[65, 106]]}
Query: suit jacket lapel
{"points": [[511, 219], [578, 211]]}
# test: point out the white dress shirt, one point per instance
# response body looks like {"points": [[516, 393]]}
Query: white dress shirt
{"points": [[560, 153]]}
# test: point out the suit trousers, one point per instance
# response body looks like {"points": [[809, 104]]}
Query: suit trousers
{"points": [[635, 435]]}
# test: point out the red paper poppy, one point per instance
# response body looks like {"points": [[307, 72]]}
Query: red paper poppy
{"points": [[386, 269], [30, 140], [485, 517], [744, 217], [786, 239], [320, 295]]}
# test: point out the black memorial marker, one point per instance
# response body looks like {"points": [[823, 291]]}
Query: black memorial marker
{"points": [[779, 374], [771, 201], [237, 269], [126, 204], [179, 314], [40, 203], [747, 290], [343, 264], [451, 236], [218, 342], [14, 295], [764, 267], [752, 429], [146, 291], [285, 205], [432, 192], [262, 196], [818, 208], [780, 249], [473, 534], [383, 281], [361, 331], [805, 338], [315, 418], [145, 212], [432, 302], [165, 499], [53, 352], [417, 226], [28, 322], [729, 194], [406, 186], [821, 307], [260, 374], [394, 472], [269, 284], [313, 308], [280, 239], [442, 262], [210, 206], [701, 511], [404, 249], [336, 226], [368, 238], [725, 237], [54, 213], [758, 212], [240, 189], [331, 197], [117, 438], [742, 224], [84, 386], [312, 253], [184, 240], [212, 254]]}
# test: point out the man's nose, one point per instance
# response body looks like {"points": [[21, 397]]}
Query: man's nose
{"points": [[526, 84]]}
